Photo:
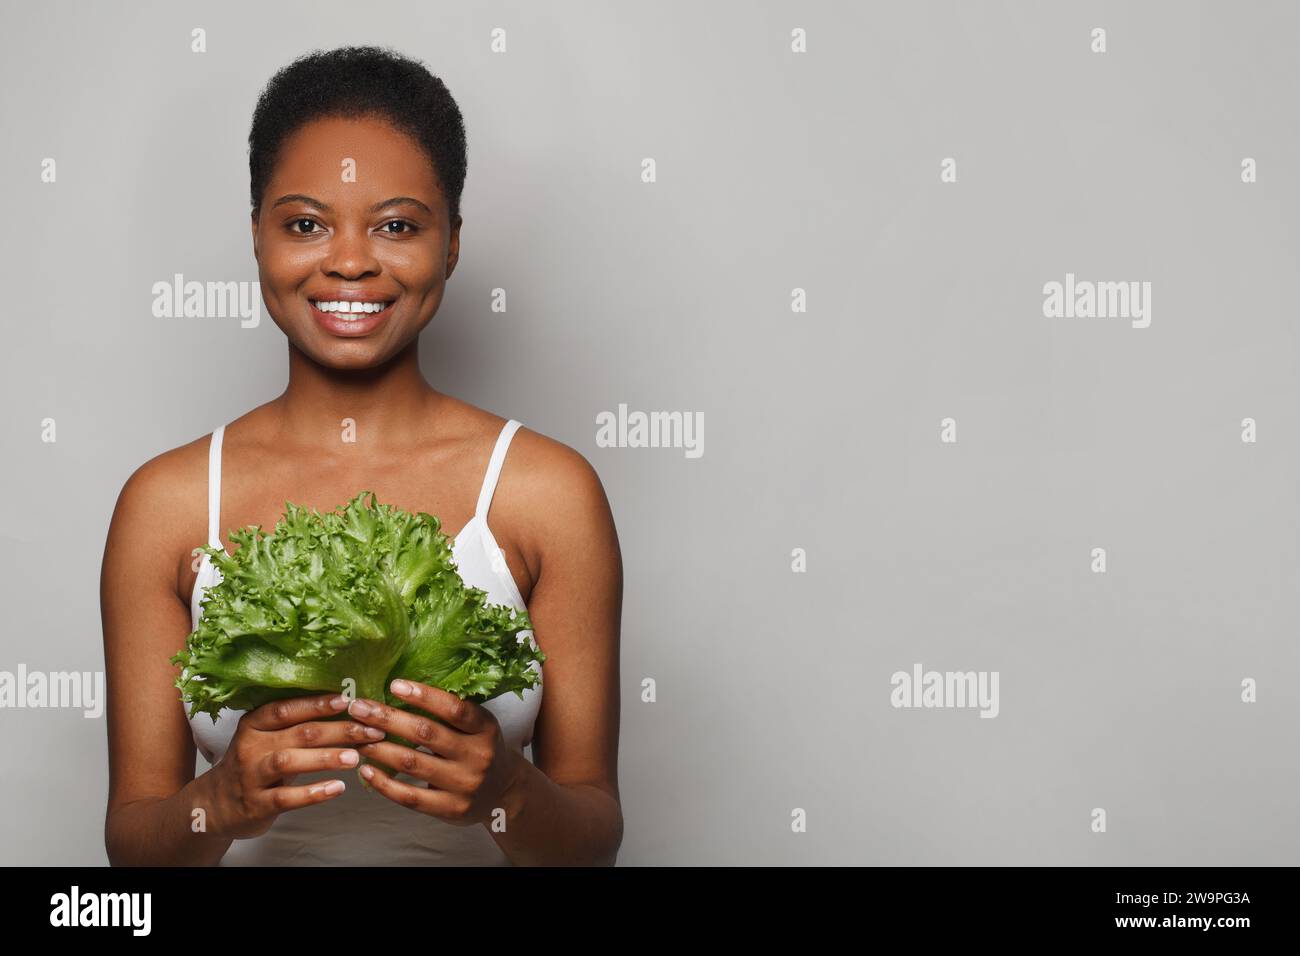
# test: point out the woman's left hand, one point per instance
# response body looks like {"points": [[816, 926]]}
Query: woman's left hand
{"points": [[470, 769]]}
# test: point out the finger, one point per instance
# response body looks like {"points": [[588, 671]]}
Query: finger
{"points": [[279, 799], [330, 733], [464, 715], [279, 714], [416, 727], [277, 765], [378, 763], [437, 772], [436, 803]]}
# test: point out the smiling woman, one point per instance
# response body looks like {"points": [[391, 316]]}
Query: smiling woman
{"points": [[333, 248], [357, 163]]}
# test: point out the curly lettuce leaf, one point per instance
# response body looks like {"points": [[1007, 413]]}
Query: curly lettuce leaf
{"points": [[366, 593]]}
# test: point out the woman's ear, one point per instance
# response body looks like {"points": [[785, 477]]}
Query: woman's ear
{"points": [[453, 247], [253, 217]]}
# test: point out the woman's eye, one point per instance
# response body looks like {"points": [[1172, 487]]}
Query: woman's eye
{"points": [[297, 223]]}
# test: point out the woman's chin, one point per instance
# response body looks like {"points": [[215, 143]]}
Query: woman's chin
{"points": [[346, 354]]}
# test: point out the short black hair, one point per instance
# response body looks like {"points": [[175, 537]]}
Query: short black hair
{"points": [[360, 81]]}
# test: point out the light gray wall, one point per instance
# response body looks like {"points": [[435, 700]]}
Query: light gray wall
{"points": [[776, 170]]}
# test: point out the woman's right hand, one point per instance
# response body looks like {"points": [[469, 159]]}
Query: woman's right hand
{"points": [[252, 783]]}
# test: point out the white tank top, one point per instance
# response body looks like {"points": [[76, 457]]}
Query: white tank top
{"points": [[362, 827]]}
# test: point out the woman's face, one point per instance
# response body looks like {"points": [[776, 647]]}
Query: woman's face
{"points": [[353, 206]]}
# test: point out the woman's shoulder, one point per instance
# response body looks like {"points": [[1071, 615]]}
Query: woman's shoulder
{"points": [[548, 490], [165, 477], [162, 505], [178, 476], [534, 461], [171, 476]]}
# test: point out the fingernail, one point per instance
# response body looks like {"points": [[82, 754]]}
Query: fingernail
{"points": [[367, 771], [339, 702], [374, 733], [400, 686], [334, 786], [360, 708], [349, 758]]}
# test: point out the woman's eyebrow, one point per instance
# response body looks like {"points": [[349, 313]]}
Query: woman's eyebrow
{"points": [[395, 201]]}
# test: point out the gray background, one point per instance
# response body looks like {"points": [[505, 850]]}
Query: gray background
{"points": [[776, 171]]}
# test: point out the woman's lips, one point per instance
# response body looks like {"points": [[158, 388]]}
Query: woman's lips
{"points": [[351, 324]]}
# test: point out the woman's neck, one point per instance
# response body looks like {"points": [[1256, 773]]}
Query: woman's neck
{"points": [[392, 402]]}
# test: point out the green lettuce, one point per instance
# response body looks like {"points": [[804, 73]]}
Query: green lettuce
{"points": [[367, 593]]}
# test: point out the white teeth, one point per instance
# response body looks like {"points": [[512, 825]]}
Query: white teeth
{"points": [[350, 306]]}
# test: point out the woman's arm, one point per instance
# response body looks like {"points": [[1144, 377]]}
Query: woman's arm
{"points": [[565, 809], [152, 791]]}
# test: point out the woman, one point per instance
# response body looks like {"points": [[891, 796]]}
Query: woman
{"points": [[357, 160]]}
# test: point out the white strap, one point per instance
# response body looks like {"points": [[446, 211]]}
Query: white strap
{"points": [[214, 486], [494, 468]]}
